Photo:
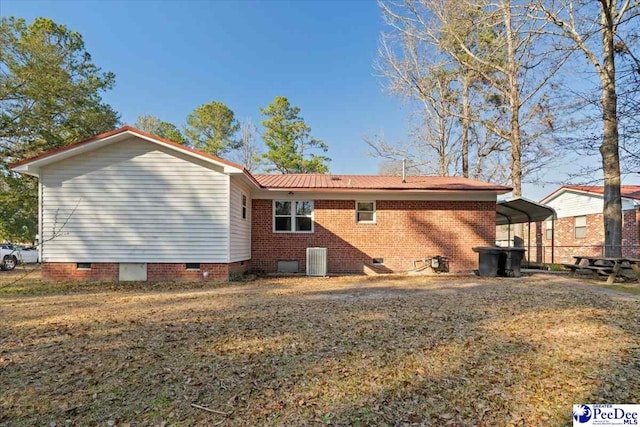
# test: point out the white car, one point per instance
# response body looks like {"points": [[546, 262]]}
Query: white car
{"points": [[12, 255], [8, 257], [27, 254]]}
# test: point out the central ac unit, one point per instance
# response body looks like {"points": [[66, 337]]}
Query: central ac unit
{"points": [[317, 262]]}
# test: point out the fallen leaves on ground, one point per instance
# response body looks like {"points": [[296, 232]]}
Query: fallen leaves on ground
{"points": [[298, 351]]}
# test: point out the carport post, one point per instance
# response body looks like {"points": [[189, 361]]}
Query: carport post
{"points": [[529, 244], [553, 236]]}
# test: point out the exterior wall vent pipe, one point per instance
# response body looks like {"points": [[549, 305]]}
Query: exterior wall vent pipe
{"points": [[404, 171]]}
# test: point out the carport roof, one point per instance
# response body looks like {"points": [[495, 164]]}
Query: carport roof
{"points": [[521, 210]]}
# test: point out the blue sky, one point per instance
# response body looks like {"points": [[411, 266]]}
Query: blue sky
{"points": [[170, 57]]}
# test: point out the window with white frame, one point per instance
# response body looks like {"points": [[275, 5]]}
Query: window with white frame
{"points": [[244, 207], [293, 216], [548, 231], [366, 212], [580, 229]]}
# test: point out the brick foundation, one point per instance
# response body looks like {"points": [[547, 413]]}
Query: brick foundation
{"points": [[404, 231], [67, 271], [109, 272]]}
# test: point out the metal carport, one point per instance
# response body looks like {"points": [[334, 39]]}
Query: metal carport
{"points": [[519, 211]]}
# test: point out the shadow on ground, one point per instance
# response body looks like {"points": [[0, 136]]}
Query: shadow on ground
{"points": [[411, 350]]}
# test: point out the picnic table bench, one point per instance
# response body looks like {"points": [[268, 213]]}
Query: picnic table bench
{"points": [[608, 266]]}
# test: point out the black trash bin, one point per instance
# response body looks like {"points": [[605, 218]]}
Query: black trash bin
{"points": [[509, 262], [488, 260]]}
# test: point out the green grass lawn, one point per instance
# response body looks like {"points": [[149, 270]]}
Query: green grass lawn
{"points": [[301, 351], [633, 289]]}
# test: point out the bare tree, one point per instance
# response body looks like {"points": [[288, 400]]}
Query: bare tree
{"points": [[433, 147], [514, 63], [147, 123], [599, 30], [501, 73], [418, 72], [390, 167], [249, 154]]}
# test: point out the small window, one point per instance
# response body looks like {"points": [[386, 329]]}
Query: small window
{"points": [[580, 227], [83, 266], [291, 216], [378, 261], [244, 207], [193, 266], [548, 230], [366, 212]]}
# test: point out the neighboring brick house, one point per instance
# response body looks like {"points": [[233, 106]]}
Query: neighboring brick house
{"points": [[126, 205], [579, 227]]}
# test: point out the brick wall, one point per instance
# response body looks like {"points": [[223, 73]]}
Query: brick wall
{"points": [[566, 245], [630, 233], [167, 272], [109, 272], [67, 271], [404, 231]]}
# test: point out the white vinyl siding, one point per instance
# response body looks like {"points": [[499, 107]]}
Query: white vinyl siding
{"points": [[133, 201], [240, 245], [570, 203]]}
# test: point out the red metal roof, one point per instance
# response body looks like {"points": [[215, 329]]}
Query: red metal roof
{"points": [[626, 191], [375, 182]]}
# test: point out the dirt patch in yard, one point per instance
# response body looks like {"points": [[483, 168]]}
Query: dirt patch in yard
{"points": [[299, 351]]}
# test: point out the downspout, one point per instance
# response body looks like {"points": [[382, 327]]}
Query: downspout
{"points": [[40, 239]]}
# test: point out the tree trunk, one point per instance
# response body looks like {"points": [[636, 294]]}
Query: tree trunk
{"points": [[514, 119], [609, 149], [465, 126], [443, 166], [514, 104]]}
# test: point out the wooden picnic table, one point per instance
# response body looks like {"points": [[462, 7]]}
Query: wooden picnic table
{"points": [[611, 266]]}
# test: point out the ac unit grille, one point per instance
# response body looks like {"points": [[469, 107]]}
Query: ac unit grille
{"points": [[317, 262]]}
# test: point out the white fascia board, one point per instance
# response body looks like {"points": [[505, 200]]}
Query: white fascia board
{"points": [[24, 169], [253, 185]]}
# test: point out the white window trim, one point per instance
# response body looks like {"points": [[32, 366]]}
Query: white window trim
{"points": [[244, 206], [548, 226], [293, 216], [576, 226], [374, 212]]}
